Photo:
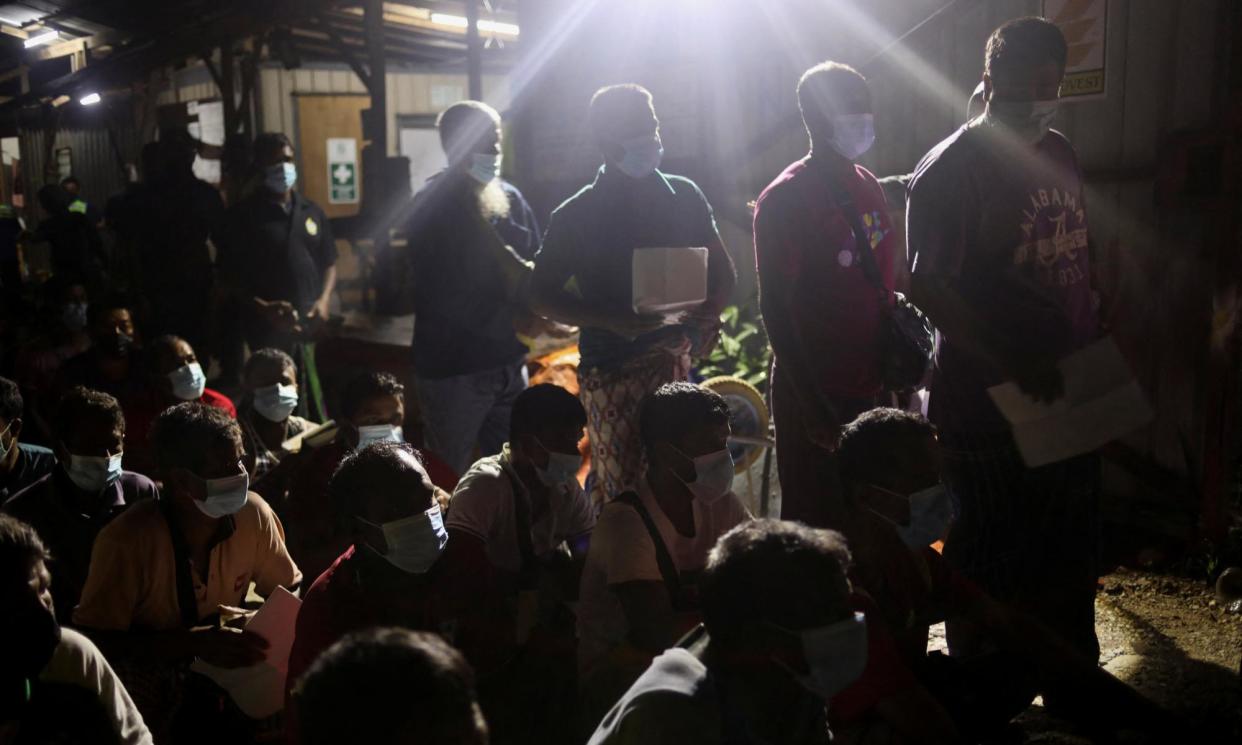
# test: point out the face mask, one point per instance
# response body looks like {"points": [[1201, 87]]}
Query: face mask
{"points": [[224, 496], [835, 654], [562, 468], [852, 134], [280, 178], [415, 542], [930, 513], [484, 167], [378, 433], [74, 316], [713, 476], [1028, 120], [116, 345], [6, 449], [92, 473], [188, 382], [276, 402], [642, 155]]}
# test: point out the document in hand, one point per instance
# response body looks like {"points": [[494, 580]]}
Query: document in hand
{"points": [[668, 279], [259, 690], [1102, 402]]}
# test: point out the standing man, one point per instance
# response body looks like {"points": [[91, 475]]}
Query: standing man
{"points": [[277, 254], [998, 234], [77, 204], [822, 244], [471, 237], [583, 277]]}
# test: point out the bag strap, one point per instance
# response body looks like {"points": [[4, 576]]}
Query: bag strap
{"points": [[664, 560], [187, 602], [521, 522], [844, 202]]}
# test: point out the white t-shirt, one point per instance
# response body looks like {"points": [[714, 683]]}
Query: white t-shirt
{"points": [[78, 662], [622, 551], [482, 506]]}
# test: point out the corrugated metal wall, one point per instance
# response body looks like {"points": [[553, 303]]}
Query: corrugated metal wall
{"points": [[94, 162]]}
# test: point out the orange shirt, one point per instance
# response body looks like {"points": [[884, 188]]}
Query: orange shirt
{"points": [[132, 582]]}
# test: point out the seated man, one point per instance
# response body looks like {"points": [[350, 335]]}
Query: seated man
{"points": [[267, 420], [890, 472], [70, 505], [113, 363], [173, 375], [21, 464], [387, 502], [513, 511], [372, 409], [390, 687], [161, 573], [779, 640], [55, 686], [638, 587]]}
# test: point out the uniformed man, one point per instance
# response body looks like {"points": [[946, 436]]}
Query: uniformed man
{"points": [[277, 253]]}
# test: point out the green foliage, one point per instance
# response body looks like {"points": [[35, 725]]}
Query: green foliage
{"points": [[743, 349]]}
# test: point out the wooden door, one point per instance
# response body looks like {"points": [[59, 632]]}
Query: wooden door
{"points": [[322, 117]]}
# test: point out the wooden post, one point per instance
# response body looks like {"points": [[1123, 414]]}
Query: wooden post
{"points": [[375, 127], [474, 51]]}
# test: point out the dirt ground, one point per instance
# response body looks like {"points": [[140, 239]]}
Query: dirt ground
{"points": [[1170, 639]]}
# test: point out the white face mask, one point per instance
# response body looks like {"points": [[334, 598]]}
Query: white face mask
{"points": [[930, 514], [713, 476], [188, 382], [378, 433], [276, 402], [225, 496], [415, 542], [852, 134], [562, 468], [485, 167], [1028, 120], [835, 654], [91, 473], [641, 155]]}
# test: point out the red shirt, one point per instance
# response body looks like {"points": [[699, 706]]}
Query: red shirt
{"points": [[805, 250], [140, 413]]}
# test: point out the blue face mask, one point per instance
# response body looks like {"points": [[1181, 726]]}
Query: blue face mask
{"points": [[91, 473], [188, 382], [562, 468], [276, 402], [224, 496], [835, 654], [415, 542], [852, 134], [378, 433], [930, 514], [484, 167], [641, 155], [280, 178]]}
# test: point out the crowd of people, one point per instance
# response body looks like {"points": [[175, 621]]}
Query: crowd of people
{"points": [[500, 582]]}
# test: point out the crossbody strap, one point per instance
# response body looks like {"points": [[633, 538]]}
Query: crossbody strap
{"points": [[664, 560], [187, 602], [844, 202], [521, 522]]}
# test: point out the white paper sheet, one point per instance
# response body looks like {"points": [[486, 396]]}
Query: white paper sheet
{"points": [[668, 279], [259, 690], [1102, 402]]}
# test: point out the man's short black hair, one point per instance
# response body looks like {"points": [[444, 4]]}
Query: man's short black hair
{"points": [[375, 470], [70, 180], [105, 305], [20, 546], [782, 572], [266, 145], [11, 404], [545, 408], [82, 405], [674, 410], [612, 104], [163, 345], [463, 124], [183, 435], [869, 443], [822, 86], [378, 685], [269, 356], [1023, 43], [368, 385]]}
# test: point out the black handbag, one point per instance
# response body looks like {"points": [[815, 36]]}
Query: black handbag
{"points": [[909, 338]]}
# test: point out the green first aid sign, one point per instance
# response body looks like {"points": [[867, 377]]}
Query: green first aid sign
{"points": [[342, 170]]}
